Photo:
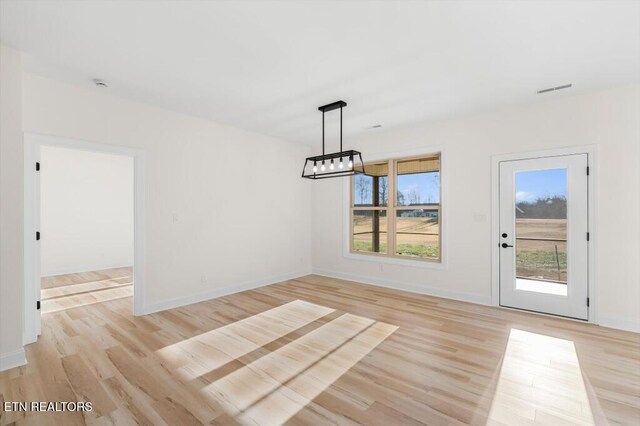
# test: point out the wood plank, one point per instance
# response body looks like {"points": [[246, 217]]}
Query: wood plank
{"points": [[86, 386], [282, 353], [134, 373]]}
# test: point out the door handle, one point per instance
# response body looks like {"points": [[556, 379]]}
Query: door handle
{"points": [[505, 245]]}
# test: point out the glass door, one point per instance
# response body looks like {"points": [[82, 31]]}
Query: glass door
{"points": [[543, 235]]}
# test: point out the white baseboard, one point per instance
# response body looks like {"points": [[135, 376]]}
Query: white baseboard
{"points": [[619, 323], [414, 288], [219, 292], [12, 359], [604, 321], [86, 268]]}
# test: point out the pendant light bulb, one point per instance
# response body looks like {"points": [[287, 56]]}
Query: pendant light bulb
{"points": [[350, 162], [331, 166], [341, 164], [322, 168], [315, 167]]}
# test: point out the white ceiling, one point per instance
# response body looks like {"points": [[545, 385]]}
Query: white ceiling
{"points": [[266, 66]]}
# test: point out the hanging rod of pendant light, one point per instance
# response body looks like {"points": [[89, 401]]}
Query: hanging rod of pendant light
{"points": [[335, 164]]}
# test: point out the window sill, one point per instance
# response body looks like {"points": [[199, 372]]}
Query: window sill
{"points": [[416, 263]]}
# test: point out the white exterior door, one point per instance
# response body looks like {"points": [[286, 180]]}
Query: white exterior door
{"points": [[544, 235]]}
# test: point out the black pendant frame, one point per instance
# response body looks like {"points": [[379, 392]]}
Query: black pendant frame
{"points": [[354, 157]]}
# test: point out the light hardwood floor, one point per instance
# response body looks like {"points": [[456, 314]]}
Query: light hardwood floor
{"points": [[60, 292], [318, 350]]}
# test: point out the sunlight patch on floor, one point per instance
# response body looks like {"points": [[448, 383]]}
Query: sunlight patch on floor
{"points": [[280, 381], [275, 387], [73, 289], [85, 299], [208, 351], [540, 382]]}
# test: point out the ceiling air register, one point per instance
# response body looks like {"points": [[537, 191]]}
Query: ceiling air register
{"points": [[336, 164]]}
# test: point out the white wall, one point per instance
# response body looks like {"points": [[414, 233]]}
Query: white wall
{"points": [[610, 119], [11, 209], [225, 208], [212, 227], [86, 215]]}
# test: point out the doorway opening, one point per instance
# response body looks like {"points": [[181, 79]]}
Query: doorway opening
{"points": [[86, 227], [83, 204]]}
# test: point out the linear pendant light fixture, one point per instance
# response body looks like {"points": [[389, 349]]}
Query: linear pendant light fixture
{"points": [[336, 164]]}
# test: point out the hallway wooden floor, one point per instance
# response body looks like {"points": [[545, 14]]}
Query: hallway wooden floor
{"points": [[317, 350], [62, 292]]}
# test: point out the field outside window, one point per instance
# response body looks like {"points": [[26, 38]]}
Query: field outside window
{"points": [[395, 209]]}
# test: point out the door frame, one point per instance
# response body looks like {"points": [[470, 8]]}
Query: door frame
{"points": [[32, 144], [592, 220]]}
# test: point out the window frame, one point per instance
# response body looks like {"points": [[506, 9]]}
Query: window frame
{"points": [[391, 210]]}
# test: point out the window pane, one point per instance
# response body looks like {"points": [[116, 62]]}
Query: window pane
{"points": [[372, 189], [418, 233], [541, 231], [418, 182], [370, 231]]}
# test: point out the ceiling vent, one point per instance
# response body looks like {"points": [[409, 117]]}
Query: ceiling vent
{"points": [[553, 89], [100, 83]]}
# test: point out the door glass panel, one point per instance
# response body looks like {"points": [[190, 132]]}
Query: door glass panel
{"points": [[541, 231]]}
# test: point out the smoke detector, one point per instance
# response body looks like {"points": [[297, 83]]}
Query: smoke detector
{"points": [[100, 82], [553, 89]]}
